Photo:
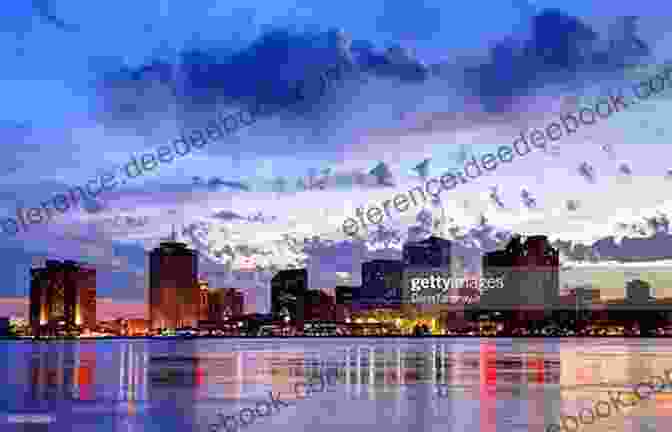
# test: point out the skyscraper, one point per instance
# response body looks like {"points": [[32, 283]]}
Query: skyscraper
{"points": [[62, 296], [531, 278], [432, 252], [381, 282], [288, 290], [174, 291]]}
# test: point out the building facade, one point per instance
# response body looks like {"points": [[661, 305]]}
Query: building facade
{"points": [[225, 303], [203, 291], [62, 296], [174, 292], [432, 252], [343, 297], [530, 271], [288, 291], [381, 283]]}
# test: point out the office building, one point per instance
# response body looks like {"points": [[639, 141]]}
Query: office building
{"points": [[530, 271], [174, 292], [432, 252], [381, 282], [204, 308], [319, 306], [344, 297], [62, 297], [638, 292], [4, 326], [425, 259], [288, 290], [224, 304]]}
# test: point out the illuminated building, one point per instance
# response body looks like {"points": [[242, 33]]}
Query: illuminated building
{"points": [[204, 298], [137, 326], [224, 303], [62, 296], [174, 292]]}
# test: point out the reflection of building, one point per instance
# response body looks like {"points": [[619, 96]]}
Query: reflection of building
{"points": [[288, 290], [531, 277], [174, 293], [174, 383], [67, 373], [225, 303], [62, 295]]}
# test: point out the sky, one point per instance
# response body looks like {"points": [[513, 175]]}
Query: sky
{"points": [[87, 86]]}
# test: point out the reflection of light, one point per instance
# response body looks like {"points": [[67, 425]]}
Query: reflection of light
{"points": [[347, 320], [372, 320], [359, 321], [398, 322], [240, 324], [43, 322]]}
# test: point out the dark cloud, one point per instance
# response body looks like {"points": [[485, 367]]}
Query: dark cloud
{"points": [[561, 49], [226, 215], [395, 62], [265, 72], [657, 246]]}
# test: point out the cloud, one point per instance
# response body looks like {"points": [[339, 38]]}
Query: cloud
{"points": [[561, 48]]}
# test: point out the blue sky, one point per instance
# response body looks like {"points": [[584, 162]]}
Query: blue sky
{"points": [[71, 71]]}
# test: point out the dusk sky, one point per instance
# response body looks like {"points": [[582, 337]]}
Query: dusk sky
{"points": [[88, 85]]}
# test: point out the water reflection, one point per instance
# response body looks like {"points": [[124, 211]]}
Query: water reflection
{"points": [[470, 384]]}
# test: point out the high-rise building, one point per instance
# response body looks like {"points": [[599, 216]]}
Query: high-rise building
{"points": [[204, 309], [425, 259], [638, 291], [319, 306], [174, 291], [381, 282], [344, 296], [62, 296], [225, 303], [288, 290], [432, 252], [531, 277]]}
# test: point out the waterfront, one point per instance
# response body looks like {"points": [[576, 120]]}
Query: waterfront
{"points": [[457, 384]]}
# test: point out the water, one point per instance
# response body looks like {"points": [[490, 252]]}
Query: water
{"points": [[375, 384]]}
